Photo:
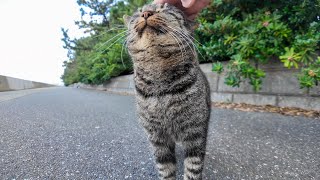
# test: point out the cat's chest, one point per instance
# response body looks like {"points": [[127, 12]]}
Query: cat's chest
{"points": [[164, 107]]}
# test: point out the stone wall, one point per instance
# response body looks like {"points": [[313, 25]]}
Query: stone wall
{"points": [[11, 84], [280, 88]]}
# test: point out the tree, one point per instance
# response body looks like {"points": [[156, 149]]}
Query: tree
{"points": [[99, 55]]}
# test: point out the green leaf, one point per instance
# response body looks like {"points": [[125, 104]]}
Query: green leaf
{"points": [[256, 83], [217, 67], [233, 81], [290, 58]]}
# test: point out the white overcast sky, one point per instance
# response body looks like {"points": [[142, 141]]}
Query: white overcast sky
{"points": [[30, 38]]}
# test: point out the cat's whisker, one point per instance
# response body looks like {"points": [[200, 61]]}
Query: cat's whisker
{"points": [[113, 29], [182, 53], [113, 43], [189, 38], [128, 39], [124, 44], [181, 42], [195, 46], [122, 55], [178, 40], [181, 30], [101, 52], [105, 49], [182, 33], [119, 25], [120, 34]]}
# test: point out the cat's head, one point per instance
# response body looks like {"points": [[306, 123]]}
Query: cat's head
{"points": [[158, 24]]}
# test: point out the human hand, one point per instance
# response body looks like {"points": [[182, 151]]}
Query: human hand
{"points": [[190, 7]]}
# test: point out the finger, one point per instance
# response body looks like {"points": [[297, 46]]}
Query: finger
{"points": [[176, 3], [173, 2], [187, 3], [196, 7]]}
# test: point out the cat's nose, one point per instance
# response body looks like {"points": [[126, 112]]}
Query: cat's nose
{"points": [[147, 14]]}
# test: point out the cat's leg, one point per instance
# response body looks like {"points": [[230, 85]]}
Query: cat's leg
{"points": [[164, 152], [194, 143]]}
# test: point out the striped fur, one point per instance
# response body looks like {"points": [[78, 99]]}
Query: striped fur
{"points": [[173, 96]]}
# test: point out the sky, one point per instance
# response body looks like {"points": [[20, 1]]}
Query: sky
{"points": [[30, 38]]}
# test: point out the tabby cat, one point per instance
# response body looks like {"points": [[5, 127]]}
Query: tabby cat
{"points": [[173, 96]]}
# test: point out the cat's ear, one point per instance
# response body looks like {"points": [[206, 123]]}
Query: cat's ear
{"points": [[126, 19]]}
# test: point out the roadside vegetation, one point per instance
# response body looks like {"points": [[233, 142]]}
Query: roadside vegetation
{"points": [[243, 32], [100, 54]]}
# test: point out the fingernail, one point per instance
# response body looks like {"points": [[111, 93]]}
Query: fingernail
{"points": [[187, 3]]}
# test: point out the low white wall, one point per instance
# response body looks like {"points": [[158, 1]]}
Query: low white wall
{"points": [[12, 84], [280, 88]]}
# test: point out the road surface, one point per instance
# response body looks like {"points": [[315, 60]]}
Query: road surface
{"points": [[68, 133]]}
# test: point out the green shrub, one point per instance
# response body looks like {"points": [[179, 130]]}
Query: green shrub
{"points": [[248, 32], [245, 32], [101, 54]]}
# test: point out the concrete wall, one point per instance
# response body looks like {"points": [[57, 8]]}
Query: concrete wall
{"points": [[280, 88], [121, 84], [11, 84]]}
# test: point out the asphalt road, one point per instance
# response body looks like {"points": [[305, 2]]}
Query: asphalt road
{"points": [[66, 133]]}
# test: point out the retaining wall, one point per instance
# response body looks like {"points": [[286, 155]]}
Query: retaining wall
{"points": [[12, 84], [280, 88]]}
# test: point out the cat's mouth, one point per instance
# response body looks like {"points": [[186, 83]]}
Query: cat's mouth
{"points": [[150, 29], [150, 26]]}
